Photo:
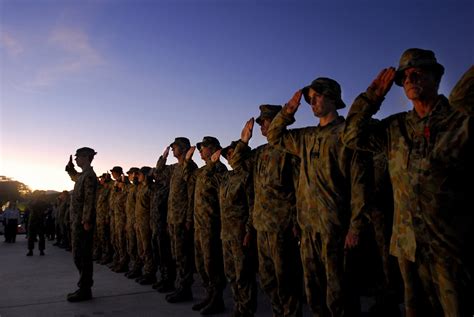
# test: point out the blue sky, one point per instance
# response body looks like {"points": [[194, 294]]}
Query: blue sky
{"points": [[126, 77]]}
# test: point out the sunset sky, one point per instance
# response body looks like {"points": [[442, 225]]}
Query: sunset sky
{"points": [[127, 77]]}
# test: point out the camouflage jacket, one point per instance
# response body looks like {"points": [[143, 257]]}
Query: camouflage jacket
{"points": [[83, 197], [159, 200], [236, 197], [274, 177], [62, 211], [428, 160], [332, 180], [130, 202], [180, 195], [103, 192], [206, 196], [118, 206], [142, 204]]}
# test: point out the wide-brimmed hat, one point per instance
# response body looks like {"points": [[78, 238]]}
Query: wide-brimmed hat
{"points": [[325, 86], [86, 151], [145, 170], [209, 141], [225, 150], [268, 112], [133, 170], [117, 169], [182, 142], [417, 57]]}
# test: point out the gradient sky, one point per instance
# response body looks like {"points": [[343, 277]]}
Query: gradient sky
{"points": [[127, 77]]}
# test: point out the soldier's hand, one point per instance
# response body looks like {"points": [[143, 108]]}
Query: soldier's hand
{"points": [[247, 239], [215, 156], [292, 105], [166, 152], [189, 154], [352, 240], [384, 81], [70, 164], [87, 226], [246, 134]]}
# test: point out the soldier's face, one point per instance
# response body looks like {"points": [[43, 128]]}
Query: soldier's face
{"points": [[320, 104], [419, 83], [141, 177], [205, 152], [81, 160], [177, 151], [230, 153], [264, 125], [116, 175]]}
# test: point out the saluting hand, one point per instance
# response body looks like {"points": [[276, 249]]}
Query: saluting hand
{"points": [[70, 164], [246, 134], [166, 152], [384, 81], [189, 154], [215, 156], [292, 105]]}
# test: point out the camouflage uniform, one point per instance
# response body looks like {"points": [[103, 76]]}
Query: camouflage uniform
{"points": [[273, 218], [132, 248], [113, 236], [236, 197], [120, 221], [142, 225], [179, 212], [83, 204], [36, 225], [100, 246], [330, 201], [160, 238], [63, 216], [207, 228], [428, 159]]}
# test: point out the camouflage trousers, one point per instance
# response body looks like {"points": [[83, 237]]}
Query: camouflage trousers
{"points": [[161, 246], [121, 242], [240, 271], [182, 250], [322, 257], [279, 269], [132, 248], [208, 259], [144, 246], [436, 284], [82, 245]]}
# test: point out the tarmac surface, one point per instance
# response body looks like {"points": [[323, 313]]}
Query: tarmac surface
{"points": [[37, 286]]}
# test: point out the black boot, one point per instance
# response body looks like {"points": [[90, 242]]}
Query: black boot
{"points": [[41, 252], [166, 287], [215, 306], [30, 253], [148, 279], [181, 295], [80, 295], [204, 303]]}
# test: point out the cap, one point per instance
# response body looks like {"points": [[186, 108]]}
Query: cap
{"points": [[85, 151], [133, 170], [209, 141], [225, 150], [328, 87], [181, 141], [145, 170], [417, 57], [117, 169], [267, 112]]}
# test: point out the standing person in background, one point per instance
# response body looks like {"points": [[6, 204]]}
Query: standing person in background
{"points": [[83, 204], [101, 243], [36, 226], [11, 217], [430, 150]]}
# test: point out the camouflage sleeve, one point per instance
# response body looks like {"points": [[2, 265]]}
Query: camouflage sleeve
{"points": [[161, 164], [361, 132], [242, 156], [73, 174], [90, 188], [190, 174], [250, 193], [359, 170], [462, 95], [286, 140]]}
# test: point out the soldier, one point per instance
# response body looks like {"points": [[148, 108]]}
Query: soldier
{"points": [[273, 216], [160, 238], [180, 217], [102, 245], [207, 227], [142, 226], [136, 264], [430, 153], [36, 226], [63, 205], [83, 220], [236, 197], [330, 196], [117, 200]]}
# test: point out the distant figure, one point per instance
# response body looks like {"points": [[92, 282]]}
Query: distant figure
{"points": [[36, 226], [11, 217], [83, 202]]}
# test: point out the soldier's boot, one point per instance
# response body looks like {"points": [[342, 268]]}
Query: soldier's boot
{"points": [[215, 306], [180, 295], [30, 253], [80, 295], [41, 252], [148, 279], [204, 303], [134, 274], [166, 287], [158, 284]]}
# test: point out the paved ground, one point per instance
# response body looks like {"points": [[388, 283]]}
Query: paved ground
{"points": [[37, 286]]}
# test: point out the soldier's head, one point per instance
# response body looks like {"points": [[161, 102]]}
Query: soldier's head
{"points": [[228, 151], [267, 113], [419, 73], [117, 172], [132, 174], [207, 147], [324, 96], [180, 146], [144, 174], [84, 156]]}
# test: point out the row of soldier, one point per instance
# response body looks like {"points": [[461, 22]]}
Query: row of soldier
{"points": [[320, 187]]}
